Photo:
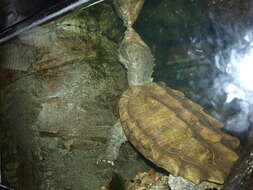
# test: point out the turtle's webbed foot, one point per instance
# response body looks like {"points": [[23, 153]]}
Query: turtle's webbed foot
{"points": [[116, 139]]}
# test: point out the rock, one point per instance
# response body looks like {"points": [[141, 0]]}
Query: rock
{"points": [[150, 180], [179, 183], [56, 113]]}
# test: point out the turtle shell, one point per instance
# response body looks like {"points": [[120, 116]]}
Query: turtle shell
{"points": [[176, 134]]}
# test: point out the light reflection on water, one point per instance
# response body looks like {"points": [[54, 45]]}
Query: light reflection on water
{"points": [[236, 81], [203, 50]]}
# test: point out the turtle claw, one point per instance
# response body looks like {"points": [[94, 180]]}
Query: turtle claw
{"points": [[109, 162], [108, 159]]}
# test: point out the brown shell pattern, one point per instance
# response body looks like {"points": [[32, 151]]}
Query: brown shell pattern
{"points": [[176, 134]]}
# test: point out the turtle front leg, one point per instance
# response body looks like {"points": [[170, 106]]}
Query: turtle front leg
{"points": [[116, 139]]}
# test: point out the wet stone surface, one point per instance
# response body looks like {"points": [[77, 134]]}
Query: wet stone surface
{"points": [[56, 113]]}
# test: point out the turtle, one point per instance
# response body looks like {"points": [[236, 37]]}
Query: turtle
{"points": [[164, 125]]}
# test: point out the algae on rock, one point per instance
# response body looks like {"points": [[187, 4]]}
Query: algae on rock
{"points": [[60, 107]]}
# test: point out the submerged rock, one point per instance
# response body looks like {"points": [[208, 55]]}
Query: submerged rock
{"points": [[179, 183], [151, 180], [57, 111]]}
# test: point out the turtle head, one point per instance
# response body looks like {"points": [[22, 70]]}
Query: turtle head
{"points": [[137, 58]]}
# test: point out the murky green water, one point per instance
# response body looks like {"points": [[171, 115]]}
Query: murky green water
{"points": [[77, 81], [187, 38]]}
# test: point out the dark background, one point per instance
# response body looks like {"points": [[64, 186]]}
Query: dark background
{"points": [[15, 11]]}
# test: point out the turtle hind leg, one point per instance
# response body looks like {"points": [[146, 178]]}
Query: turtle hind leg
{"points": [[116, 139]]}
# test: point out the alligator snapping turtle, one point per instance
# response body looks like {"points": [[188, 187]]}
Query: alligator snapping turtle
{"points": [[166, 127]]}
